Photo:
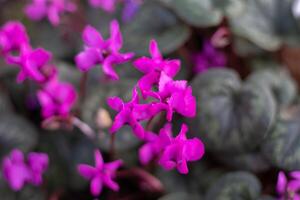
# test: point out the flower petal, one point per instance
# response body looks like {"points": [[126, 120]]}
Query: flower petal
{"points": [[281, 183], [96, 186], [92, 37], [86, 171], [154, 50]]}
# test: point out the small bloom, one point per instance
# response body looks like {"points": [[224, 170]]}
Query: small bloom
{"points": [[131, 7], [102, 174], [100, 51], [288, 188], [209, 57], [132, 113], [13, 37], [53, 9], [56, 99], [106, 5], [152, 68], [38, 164], [177, 95], [180, 151], [17, 172], [172, 152], [34, 65]]}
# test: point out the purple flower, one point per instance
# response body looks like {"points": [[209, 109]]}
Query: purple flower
{"points": [[38, 163], [209, 57], [100, 175], [17, 172], [177, 95], [288, 189], [34, 65], [100, 51], [13, 38], [132, 113], [56, 99], [173, 152], [130, 9], [152, 68], [39, 9], [107, 5]]}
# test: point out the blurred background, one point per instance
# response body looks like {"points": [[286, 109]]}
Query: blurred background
{"points": [[242, 58]]}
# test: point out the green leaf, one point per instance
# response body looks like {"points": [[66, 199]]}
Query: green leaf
{"points": [[235, 185], [16, 132], [278, 81], [232, 8], [257, 26], [196, 13], [281, 147], [233, 117], [180, 196], [254, 161], [168, 31]]}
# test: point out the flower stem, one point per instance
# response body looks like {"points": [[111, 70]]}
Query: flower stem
{"points": [[82, 92], [112, 150]]}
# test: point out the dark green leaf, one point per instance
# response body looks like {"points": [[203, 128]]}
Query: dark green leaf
{"points": [[16, 132], [168, 31], [235, 186], [197, 13], [232, 117]]}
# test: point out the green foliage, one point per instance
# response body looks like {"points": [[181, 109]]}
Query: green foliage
{"points": [[235, 186], [169, 32], [16, 132], [234, 117]]}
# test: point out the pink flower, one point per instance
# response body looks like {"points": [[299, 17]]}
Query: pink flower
{"points": [[13, 38], [177, 95], [209, 57], [153, 67], [39, 9], [34, 65], [288, 189], [106, 5], [17, 172], [100, 51], [56, 98], [100, 175], [172, 152], [38, 163], [132, 113]]}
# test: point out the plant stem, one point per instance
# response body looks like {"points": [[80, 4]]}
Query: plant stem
{"points": [[82, 92], [112, 150]]}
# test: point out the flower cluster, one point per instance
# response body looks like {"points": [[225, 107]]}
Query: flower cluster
{"points": [[17, 171], [209, 57], [100, 175], [168, 95], [175, 152], [288, 189], [55, 97], [52, 9], [103, 52]]}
